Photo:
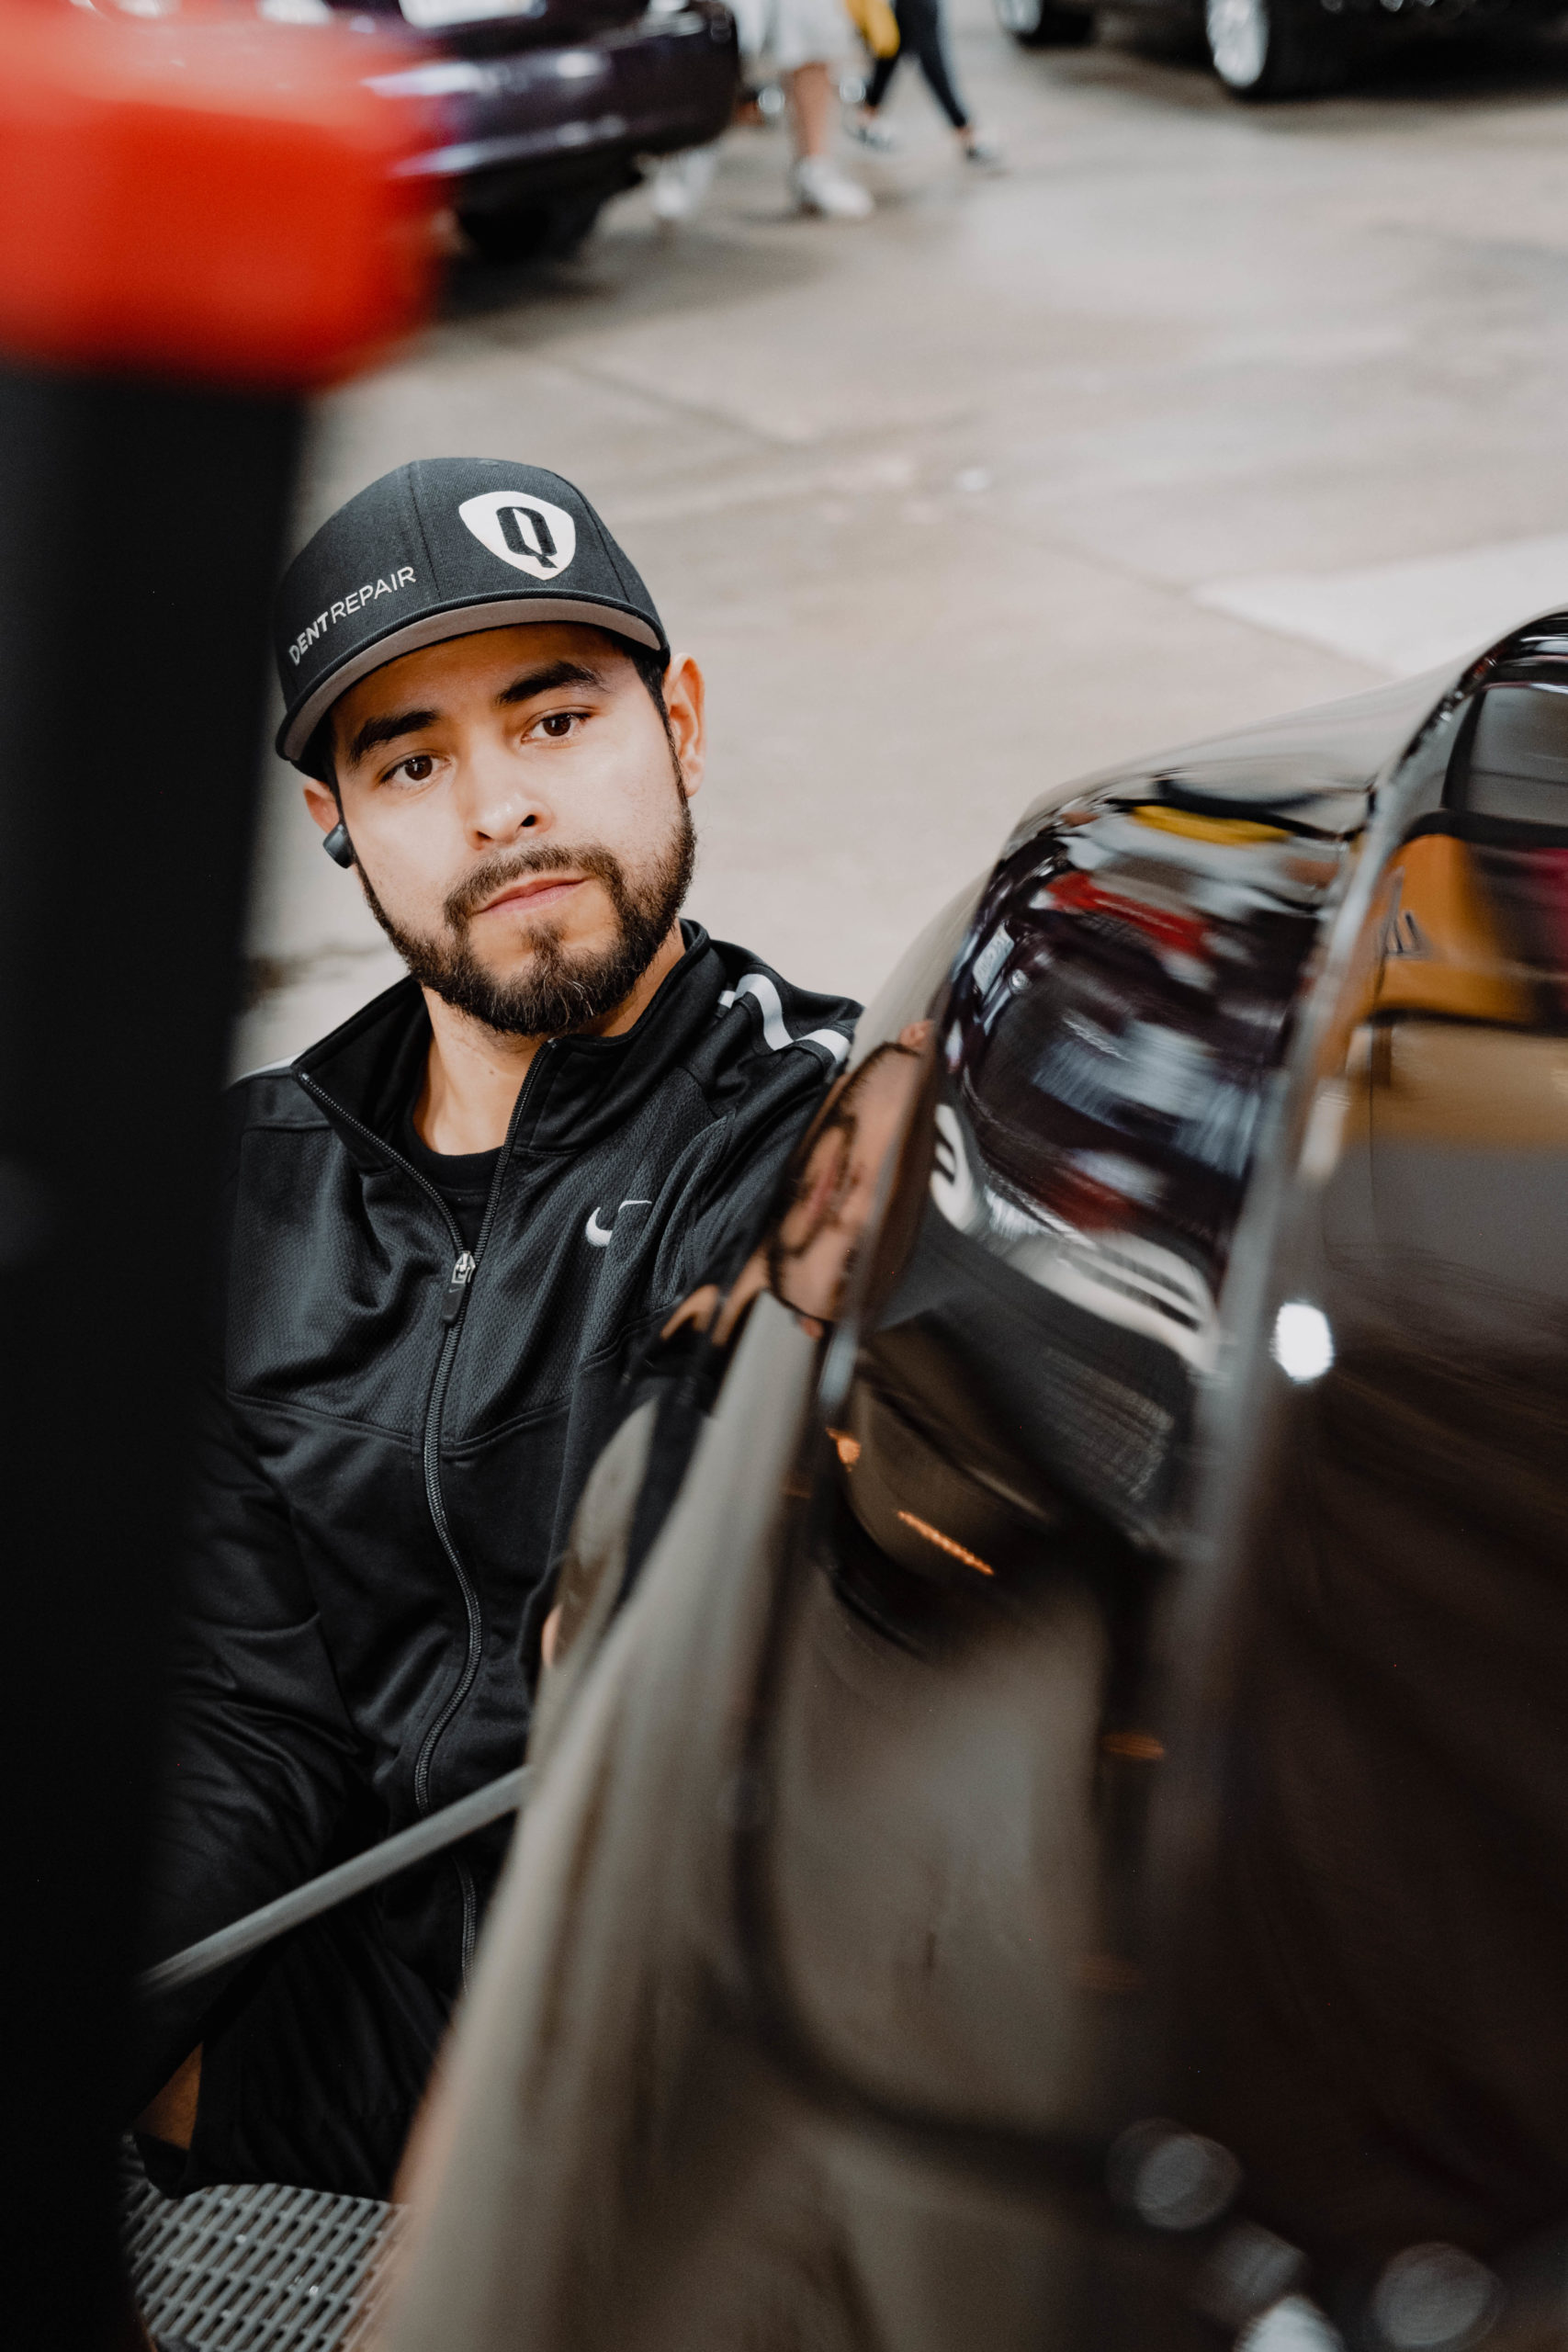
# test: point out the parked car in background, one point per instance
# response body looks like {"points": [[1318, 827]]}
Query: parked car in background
{"points": [[1277, 49], [548, 106]]}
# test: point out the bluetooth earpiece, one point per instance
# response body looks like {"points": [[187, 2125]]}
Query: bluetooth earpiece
{"points": [[338, 846]]}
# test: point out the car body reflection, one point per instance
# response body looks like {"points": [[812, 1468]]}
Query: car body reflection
{"points": [[1085, 1765], [1302, 1529]]}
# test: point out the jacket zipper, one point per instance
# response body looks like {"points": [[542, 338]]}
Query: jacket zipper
{"points": [[451, 1314], [465, 1265], [452, 1308]]}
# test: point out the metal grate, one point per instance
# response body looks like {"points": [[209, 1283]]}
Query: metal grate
{"points": [[255, 2269]]}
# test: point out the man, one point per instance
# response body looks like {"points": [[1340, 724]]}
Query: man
{"points": [[451, 1229]]}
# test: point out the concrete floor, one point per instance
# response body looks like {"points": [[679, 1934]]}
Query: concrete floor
{"points": [[1196, 415]]}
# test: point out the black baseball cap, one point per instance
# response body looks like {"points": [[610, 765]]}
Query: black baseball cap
{"points": [[440, 549]]}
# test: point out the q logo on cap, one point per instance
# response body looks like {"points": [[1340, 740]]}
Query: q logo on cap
{"points": [[528, 532]]}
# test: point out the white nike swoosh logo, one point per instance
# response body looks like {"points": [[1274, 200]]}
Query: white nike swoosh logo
{"points": [[601, 1236]]}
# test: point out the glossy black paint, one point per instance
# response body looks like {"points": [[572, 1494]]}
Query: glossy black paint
{"points": [[1192, 1459], [1372, 1947], [1305, 47], [1109, 1047]]}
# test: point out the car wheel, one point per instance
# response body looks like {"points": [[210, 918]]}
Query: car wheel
{"points": [[1273, 49], [546, 229], [1039, 24]]}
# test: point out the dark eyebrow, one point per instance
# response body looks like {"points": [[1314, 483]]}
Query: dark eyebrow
{"points": [[388, 730], [542, 681], [533, 681]]}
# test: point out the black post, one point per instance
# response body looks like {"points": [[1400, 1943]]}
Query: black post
{"points": [[141, 531]]}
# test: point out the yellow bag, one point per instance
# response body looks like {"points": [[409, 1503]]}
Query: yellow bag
{"points": [[877, 24]]}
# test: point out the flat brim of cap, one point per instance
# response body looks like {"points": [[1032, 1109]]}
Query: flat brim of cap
{"points": [[435, 628]]}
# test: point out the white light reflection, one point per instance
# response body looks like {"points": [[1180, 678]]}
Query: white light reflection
{"points": [[1292, 2324], [1303, 1345]]}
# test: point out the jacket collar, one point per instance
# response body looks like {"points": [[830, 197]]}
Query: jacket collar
{"points": [[578, 1089]]}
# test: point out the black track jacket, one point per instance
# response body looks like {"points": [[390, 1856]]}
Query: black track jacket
{"points": [[403, 1433]]}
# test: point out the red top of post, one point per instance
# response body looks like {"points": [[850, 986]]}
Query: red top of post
{"points": [[204, 195]]}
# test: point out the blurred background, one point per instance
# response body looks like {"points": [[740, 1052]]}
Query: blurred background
{"points": [[1196, 412]]}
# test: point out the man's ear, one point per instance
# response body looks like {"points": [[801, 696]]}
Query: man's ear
{"points": [[321, 803], [684, 694]]}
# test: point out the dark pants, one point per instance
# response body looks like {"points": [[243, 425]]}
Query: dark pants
{"points": [[920, 29], [312, 2066]]}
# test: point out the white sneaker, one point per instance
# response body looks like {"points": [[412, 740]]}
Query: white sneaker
{"points": [[819, 188], [682, 181], [985, 152], [873, 132]]}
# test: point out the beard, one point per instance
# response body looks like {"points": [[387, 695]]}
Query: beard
{"points": [[561, 990]]}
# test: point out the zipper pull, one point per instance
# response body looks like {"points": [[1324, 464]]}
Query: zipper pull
{"points": [[462, 1274]]}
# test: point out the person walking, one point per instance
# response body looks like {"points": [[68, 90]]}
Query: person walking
{"points": [[801, 41], [922, 32], [451, 1230]]}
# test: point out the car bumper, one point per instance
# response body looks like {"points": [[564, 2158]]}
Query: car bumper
{"points": [[549, 117]]}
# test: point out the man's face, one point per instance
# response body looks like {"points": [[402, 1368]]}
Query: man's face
{"points": [[518, 813]]}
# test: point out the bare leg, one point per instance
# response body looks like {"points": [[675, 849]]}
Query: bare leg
{"points": [[811, 101], [820, 185]]}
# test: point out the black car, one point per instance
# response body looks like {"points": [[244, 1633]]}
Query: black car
{"points": [[547, 106], [1278, 48], [1061, 1841]]}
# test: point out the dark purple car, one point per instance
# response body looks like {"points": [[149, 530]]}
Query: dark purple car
{"points": [[547, 105]]}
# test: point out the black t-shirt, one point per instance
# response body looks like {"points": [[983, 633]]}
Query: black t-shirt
{"points": [[463, 1179]]}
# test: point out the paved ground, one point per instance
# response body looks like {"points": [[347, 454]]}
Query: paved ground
{"points": [[1197, 414]]}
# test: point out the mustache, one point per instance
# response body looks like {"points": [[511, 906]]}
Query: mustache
{"points": [[495, 872]]}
